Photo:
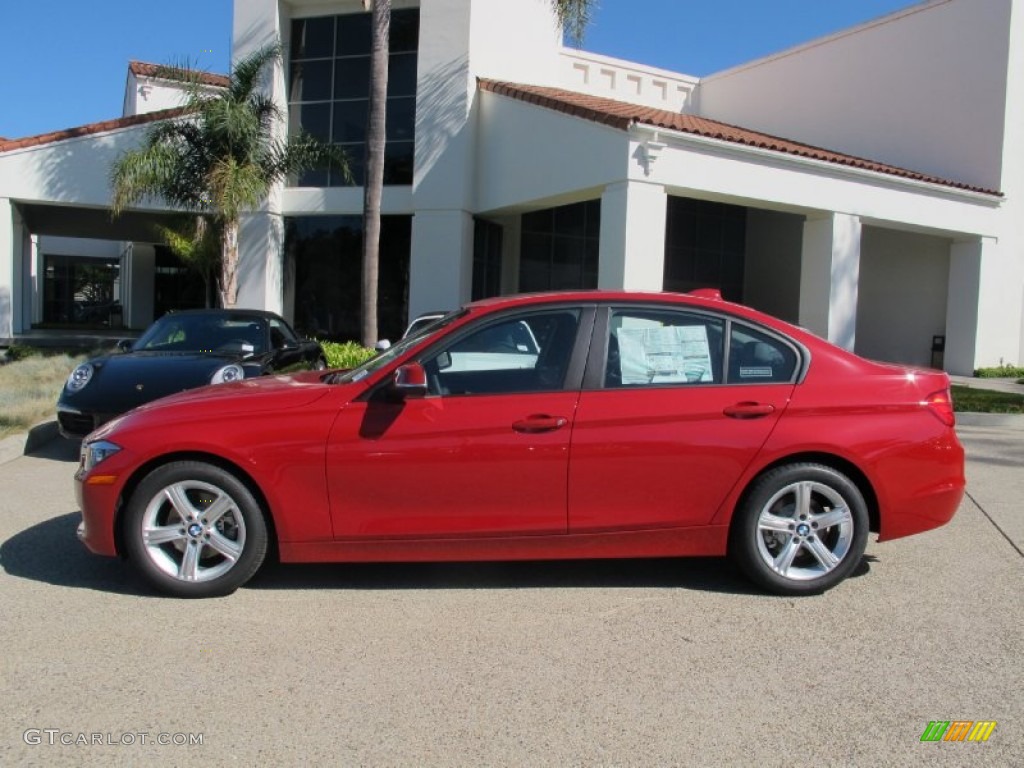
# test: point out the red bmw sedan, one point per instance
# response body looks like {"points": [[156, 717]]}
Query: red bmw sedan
{"points": [[564, 425]]}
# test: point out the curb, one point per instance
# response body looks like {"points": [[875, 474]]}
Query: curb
{"points": [[1005, 420], [15, 446]]}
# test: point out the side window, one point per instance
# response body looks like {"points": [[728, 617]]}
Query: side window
{"points": [[661, 348], [527, 353], [280, 334], [757, 358]]}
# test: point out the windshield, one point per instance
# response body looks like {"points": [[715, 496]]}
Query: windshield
{"points": [[212, 333], [396, 351]]}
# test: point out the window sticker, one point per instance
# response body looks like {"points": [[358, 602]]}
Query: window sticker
{"points": [[667, 355], [755, 373]]}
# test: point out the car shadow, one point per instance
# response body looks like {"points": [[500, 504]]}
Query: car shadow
{"points": [[50, 552], [59, 449], [700, 574]]}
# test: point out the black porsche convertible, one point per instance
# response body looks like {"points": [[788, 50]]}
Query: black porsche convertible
{"points": [[182, 350]]}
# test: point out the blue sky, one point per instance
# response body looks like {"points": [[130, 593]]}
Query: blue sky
{"points": [[64, 62]]}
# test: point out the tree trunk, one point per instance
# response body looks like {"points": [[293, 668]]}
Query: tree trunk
{"points": [[373, 184], [229, 265]]}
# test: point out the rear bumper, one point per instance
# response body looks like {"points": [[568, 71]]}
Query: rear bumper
{"points": [[931, 484]]}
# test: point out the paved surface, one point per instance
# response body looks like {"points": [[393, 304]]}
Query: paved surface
{"points": [[616, 663]]}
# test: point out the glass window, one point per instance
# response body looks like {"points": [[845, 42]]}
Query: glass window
{"points": [[663, 348], [526, 353], [757, 358], [329, 85], [559, 247], [327, 255], [312, 38], [705, 243], [281, 334], [351, 77]]}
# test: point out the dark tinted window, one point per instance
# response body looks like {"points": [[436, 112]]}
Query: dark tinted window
{"points": [[526, 353], [756, 357]]}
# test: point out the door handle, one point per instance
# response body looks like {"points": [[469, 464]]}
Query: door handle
{"points": [[539, 422], [748, 410]]}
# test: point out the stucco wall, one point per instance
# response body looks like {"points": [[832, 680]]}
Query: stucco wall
{"points": [[901, 304], [924, 89]]}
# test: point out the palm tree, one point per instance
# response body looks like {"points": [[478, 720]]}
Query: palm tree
{"points": [[573, 17], [220, 158], [373, 185]]}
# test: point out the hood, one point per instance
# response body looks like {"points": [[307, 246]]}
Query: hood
{"points": [[241, 399], [121, 382]]}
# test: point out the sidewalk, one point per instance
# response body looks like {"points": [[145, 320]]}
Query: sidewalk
{"points": [[997, 385]]}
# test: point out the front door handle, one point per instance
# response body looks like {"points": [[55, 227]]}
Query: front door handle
{"points": [[539, 422], [748, 410]]}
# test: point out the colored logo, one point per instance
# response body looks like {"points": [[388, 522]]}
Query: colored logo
{"points": [[958, 730]]}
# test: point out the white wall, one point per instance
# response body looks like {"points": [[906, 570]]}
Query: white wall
{"points": [[923, 88], [74, 171], [626, 81], [902, 298], [538, 154], [147, 94]]}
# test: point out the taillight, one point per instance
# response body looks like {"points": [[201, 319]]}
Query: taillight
{"points": [[941, 404]]}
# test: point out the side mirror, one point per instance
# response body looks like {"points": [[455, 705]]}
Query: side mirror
{"points": [[410, 381], [123, 345], [382, 346]]}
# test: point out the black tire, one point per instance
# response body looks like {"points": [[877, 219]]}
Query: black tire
{"points": [[207, 542], [801, 530]]}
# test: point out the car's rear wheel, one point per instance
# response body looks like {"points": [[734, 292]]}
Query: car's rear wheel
{"points": [[801, 530], [194, 530]]}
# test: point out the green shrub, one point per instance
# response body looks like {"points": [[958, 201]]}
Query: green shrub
{"points": [[19, 352], [1000, 372], [346, 355], [986, 401]]}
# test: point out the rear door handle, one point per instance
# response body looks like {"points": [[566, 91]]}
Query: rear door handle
{"points": [[539, 422], [748, 410]]}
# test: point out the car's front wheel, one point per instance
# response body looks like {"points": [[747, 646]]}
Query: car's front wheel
{"points": [[801, 530], [194, 530]]}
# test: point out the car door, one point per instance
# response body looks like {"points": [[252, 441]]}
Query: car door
{"points": [[675, 405], [484, 453]]}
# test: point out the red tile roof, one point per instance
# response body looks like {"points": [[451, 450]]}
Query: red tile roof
{"points": [[622, 115], [89, 129], [144, 69]]}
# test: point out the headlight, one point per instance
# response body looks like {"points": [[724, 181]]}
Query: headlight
{"points": [[228, 373], [79, 377], [95, 452]]}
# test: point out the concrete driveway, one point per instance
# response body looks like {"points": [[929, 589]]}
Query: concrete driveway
{"points": [[610, 663]]}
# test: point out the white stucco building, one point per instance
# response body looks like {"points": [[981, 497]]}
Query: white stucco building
{"points": [[866, 185]]}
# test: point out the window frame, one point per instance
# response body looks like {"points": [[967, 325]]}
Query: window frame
{"points": [[573, 377], [594, 375]]}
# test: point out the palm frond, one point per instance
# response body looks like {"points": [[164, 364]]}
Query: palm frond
{"points": [[246, 72], [574, 17]]}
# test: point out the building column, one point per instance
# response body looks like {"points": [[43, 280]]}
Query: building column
{"points": [[632, 249], [34, 281], [829, 277], [441, 261], [10, 248], [260, 262], [983, 308], [140, 287]]}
